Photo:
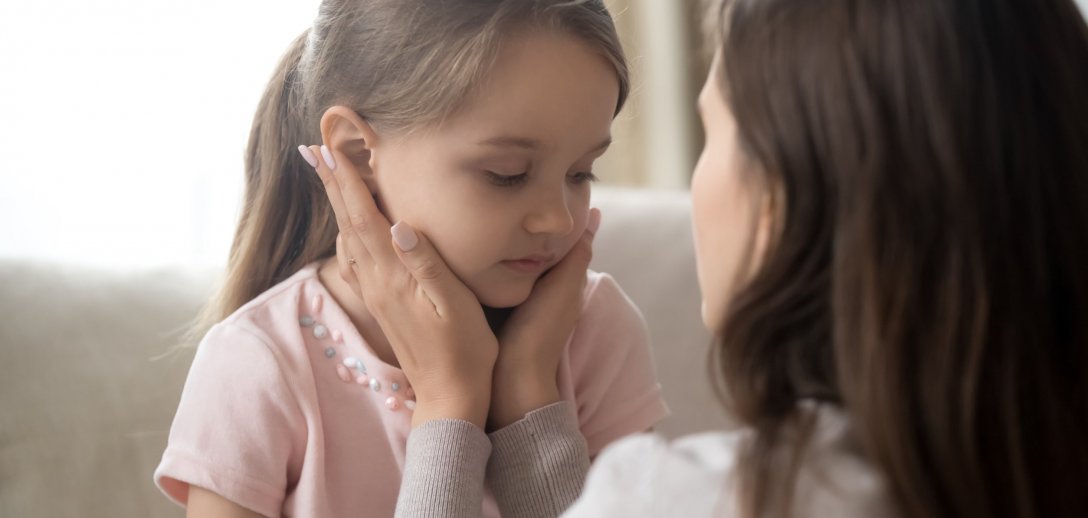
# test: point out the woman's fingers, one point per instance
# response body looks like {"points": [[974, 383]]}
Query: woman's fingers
{"points": [[577, 260], [562, 286], [332, 187], [351, 253], [366, 220], [534, 337], [344, 266], [541, 325], [356, 212], [428, 268]]}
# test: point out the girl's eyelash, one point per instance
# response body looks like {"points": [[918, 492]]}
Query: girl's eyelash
{"points": [[583, 177], [503, 180]]}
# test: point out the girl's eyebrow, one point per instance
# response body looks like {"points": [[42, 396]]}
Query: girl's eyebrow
{"points": [[532, 144], [518, 142]]}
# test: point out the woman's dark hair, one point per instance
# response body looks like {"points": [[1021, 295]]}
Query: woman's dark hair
{"points": [[928, 165]]}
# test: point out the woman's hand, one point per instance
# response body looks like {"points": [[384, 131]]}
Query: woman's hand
{"points": [[434, 323], [534, 337]]}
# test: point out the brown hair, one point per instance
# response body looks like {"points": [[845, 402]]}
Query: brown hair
{"points": [[400, 64], [928, 269]]}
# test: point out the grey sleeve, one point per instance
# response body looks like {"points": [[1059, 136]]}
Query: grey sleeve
{"points": [[538, 464], [444, 470]]}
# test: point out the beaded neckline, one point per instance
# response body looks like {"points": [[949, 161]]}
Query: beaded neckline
{"points": [[352, 369]]}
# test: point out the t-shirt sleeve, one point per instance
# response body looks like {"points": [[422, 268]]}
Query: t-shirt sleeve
{"points": [[237, 425], [612, 370]]}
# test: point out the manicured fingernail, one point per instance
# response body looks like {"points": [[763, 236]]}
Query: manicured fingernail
{"points": [[594, 222], [308, 156], [329, 160], [404, 236]]}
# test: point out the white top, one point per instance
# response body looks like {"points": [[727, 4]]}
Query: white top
{"points": [[645, 475]]}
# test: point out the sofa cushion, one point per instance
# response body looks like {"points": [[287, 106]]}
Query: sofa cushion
{"points": [[87, 389]]}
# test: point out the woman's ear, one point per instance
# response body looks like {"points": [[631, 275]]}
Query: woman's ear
{"points": [[770, 215], [344, 131]]}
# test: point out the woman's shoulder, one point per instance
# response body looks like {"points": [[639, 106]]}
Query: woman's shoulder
{"points": [[835, 477], [696, 475], [699, 455], [649, 475]]}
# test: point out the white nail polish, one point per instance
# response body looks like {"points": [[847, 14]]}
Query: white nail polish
{"points": [[404, 236], [327, 155], [308, 156]]}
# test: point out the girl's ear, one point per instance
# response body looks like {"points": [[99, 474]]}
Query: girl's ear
{"points": [[353, 137]]}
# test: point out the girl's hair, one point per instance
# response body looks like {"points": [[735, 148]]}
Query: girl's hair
{"points": [[401, 65], [927, 165]]}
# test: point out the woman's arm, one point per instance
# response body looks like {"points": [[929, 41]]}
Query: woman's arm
{"points": [[538, 464], [443, 470]]}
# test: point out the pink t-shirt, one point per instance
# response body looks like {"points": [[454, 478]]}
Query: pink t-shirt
{"points": [[286, 411]]}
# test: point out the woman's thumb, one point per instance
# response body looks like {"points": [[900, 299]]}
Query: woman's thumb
{"points": [[417, 255], [579, 257], [423, 262], [573, 266]]}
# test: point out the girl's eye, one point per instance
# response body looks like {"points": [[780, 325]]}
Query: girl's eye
{"points": [[505, 180], [583, 177]]}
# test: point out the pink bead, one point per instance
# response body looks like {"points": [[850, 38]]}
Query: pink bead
{"points": [[362, 379], [337, 336], [315, 304], [393, 403], [344, 373]]}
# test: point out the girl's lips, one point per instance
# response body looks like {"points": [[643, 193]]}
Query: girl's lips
{"points": [[530, 265]]}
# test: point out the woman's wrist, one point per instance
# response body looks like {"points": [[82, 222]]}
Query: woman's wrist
{"points": [[515, 394], [470, 404]]}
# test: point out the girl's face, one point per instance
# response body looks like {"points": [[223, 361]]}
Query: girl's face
{"points": [[722, 206], [502, 187]]}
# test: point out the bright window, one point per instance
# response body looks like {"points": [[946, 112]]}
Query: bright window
{"points": [[124, 124]]}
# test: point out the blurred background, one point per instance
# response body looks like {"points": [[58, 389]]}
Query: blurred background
{"points": [[124, 121]]}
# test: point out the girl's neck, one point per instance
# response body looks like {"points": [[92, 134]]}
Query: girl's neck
{"points": [[356, 310]]}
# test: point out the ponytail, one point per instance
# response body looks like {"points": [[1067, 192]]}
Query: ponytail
{"points": [[286, 222]]}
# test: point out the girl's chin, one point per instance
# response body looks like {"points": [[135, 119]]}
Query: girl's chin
{"points": [[507, 296]]}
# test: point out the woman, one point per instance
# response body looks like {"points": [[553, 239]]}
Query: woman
{"points": [[891, 215]]}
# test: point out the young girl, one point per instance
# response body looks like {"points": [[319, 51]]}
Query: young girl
{"points": [[477, 123]]}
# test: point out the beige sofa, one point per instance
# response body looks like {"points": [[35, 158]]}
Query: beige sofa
{"points": [[88, 386]]}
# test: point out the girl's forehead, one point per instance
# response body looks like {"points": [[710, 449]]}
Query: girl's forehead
{"points": [[543, 90]]}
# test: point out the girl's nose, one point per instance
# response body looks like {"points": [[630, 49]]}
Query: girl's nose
{"points": [[551, 215]]}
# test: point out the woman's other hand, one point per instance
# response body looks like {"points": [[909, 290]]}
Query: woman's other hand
{"points": [[533, 339], [434, 323]]}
